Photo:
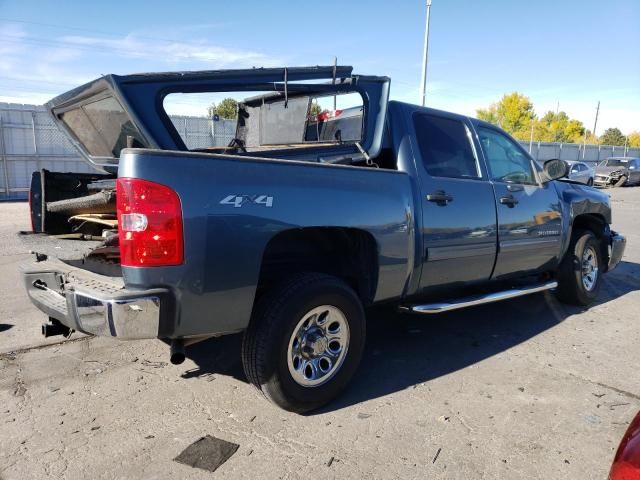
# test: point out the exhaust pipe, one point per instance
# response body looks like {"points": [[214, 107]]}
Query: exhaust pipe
{"points": [[177, 355]]}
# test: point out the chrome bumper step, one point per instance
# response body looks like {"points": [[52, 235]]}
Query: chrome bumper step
{"points": [[439, 307]]}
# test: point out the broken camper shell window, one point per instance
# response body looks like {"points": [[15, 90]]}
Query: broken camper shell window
{"points": [[263, 121], [102, 126]]}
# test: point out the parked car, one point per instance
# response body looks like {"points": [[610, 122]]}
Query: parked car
{"points": [[581, 172], [618, 172], [626, 463], [289, 242]]}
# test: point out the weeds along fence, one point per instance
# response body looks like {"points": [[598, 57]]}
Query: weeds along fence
{"points": [[29, 141]]}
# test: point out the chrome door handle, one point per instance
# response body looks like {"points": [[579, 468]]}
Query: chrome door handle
{"points": [[509, 200], [440, 197]]}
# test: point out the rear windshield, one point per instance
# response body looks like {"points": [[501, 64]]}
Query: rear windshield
{"points": [[102, 127]]}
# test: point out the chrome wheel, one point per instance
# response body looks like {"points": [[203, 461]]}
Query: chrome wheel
{"points": [[589, 268], [318, 346]]}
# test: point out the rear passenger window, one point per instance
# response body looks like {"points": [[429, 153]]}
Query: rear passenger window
{"points": [[445, 147]]}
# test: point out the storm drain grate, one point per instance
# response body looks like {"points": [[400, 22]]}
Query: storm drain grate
{"points": [[207, 453]]}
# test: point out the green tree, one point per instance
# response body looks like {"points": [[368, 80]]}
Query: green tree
{"points": [[634, 139], [590, 140], [227, 108], [612, 136], [558, 127], [314, 109], [514, 113]]}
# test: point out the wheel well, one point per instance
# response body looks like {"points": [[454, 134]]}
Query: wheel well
{"points": [[596, 224], [348, 253]]}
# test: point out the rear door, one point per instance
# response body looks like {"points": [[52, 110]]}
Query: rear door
{"points": [[458, 204], [529, 213]]}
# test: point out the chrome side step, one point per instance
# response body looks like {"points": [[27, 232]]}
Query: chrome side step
{"points": [[440, 307]]}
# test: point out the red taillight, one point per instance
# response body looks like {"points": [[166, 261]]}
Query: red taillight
{"points": [[149, 224], [626, 464], [328, 114]]}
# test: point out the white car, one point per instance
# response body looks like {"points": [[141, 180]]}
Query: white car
{"points": [[581, 172]]}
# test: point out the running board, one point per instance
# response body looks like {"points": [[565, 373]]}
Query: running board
{"points": [[440, 307]]}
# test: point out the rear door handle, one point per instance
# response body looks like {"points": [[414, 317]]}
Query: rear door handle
{"points": [[509, 200], [439, 197]]}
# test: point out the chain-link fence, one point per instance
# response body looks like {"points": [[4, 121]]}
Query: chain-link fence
{"points": [[29, 141], [197, 132], [591, 154]]}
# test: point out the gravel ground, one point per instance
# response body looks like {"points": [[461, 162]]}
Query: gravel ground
{"points": [[528, 388]]}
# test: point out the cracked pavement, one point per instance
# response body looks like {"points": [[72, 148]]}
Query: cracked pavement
{"points": [[527, 388]]}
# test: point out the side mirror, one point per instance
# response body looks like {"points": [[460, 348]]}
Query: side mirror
{"points": [[554, 169]]}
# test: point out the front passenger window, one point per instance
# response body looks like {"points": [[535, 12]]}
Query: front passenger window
{"points": [[506, 160]]}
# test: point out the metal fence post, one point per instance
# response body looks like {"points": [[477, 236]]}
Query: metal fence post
{"points": [[36, 154], [3, 153]]}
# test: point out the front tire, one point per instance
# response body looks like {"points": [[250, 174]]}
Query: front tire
{"points": [[305, 341], [580, 272], [621, 182]]}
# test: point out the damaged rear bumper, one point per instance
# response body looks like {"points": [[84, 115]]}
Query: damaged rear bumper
{"points": [[95, 304]]}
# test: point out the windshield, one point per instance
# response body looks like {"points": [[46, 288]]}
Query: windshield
{"points": [[614, 162]]}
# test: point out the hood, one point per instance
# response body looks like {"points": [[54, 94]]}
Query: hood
{"points": [[609, 170]]}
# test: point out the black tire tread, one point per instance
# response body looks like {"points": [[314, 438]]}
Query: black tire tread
{"points": [[568, 290], [264, 321]]}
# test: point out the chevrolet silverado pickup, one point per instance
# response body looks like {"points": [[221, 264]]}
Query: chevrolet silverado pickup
{"points": [[301, 222]]}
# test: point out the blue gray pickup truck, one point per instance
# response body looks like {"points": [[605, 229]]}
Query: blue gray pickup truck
{"points": [[297, 226]]}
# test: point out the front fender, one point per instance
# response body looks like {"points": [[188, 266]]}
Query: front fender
{"points": [[579, 201]]}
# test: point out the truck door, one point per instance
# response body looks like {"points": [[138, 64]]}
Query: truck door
{"points": [[458, 204], [529, 215]]}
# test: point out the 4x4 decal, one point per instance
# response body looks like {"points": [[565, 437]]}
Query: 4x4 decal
{"points": [[239, 200]]}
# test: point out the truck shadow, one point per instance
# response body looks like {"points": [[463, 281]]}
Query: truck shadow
{"points": [[404, 350]]}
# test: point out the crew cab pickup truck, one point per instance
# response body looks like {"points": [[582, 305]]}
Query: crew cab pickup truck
{"points": [[288, 236]]}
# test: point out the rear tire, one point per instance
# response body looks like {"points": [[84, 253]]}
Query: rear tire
{"points": [[590, 182], [305, 341], [580, 271]]}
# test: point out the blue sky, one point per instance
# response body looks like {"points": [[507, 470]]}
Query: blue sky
{"points": [[567, 51]]}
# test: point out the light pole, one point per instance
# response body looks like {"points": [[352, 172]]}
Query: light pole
{"points": [[425, 54]]}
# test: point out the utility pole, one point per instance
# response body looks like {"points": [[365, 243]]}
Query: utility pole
{"points": [[531, 138], [595, 124], [425, 53]]}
